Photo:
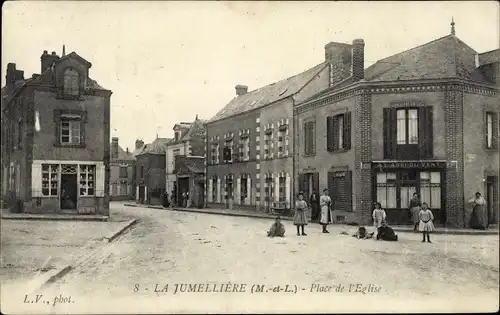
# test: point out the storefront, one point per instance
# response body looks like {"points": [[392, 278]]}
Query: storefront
{"points": [[395, 182]]}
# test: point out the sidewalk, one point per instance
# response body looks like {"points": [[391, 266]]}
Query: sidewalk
{"points": [[7, 215], [253, 214]]}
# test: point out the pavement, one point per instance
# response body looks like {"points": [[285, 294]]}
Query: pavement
{"points": [[260, 215], [149, 268]]}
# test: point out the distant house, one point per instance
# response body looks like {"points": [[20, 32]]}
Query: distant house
{"points": [[55, 137], [189, 140], [121, 173], [150, 171], [190, 173]]}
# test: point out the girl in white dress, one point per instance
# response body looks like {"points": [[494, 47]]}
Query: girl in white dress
{"points": [[378, 216], [426, 226], [325, 203]]}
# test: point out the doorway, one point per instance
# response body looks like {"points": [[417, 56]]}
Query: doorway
{"points": [[490, 202], [69, 191]]}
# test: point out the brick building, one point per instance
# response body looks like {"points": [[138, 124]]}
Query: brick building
{"points": [[189, 140], [150, 171], [250, 143], [55, 137], [121, 182], [424, 120]]}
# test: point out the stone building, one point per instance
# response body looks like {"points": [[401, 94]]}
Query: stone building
{"points": [[250, 143], [55, 137], [150, 171], [424, 120], [189, 140], [122, 186]]}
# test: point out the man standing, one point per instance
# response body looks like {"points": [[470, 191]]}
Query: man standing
{"points": [[314, 201], [326, 213]]}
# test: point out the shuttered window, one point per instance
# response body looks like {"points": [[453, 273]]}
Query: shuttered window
{"points": [[338, 132], [340, 189], [309, 138], [491, 130]]}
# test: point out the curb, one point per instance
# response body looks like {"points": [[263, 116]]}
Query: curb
{"points": [[262, 216], [56, 275], [62, 218]]}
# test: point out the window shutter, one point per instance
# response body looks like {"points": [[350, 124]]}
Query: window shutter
{"points": [[331, 185], [329, 131], [347, 131], [335, 133], [312, 137], [495, 130], [388, 133], [306, 138], [302, 182], [485, 129], [36, 180], [348, 190], [425, 122], [315, 182], [99, 177]]}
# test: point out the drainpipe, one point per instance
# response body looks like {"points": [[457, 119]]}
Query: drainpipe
{"points": [[295, 139]]}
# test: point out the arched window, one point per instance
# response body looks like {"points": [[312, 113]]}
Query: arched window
{"points": [[71, 82]]}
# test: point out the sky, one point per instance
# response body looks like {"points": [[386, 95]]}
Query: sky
{"points": [[167, 62]]}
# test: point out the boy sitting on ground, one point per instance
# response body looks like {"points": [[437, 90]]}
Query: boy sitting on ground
{"points": [[362, 234], [277, 229], [386, 233]]}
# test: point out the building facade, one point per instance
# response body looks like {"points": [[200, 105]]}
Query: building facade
{"points": [[189, 140], [56, 134], [250, 142], [150, 172], [122, 186], [190, 179], [424, 121]]}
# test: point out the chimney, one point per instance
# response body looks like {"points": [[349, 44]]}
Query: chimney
{"points": [[139, 144], [47, 60], [10, 77], [358, 59], [241, 89], [339, 56], [114, 148], [476, 60]]}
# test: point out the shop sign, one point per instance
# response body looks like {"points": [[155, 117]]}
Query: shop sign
{"points": [[412, 164]]}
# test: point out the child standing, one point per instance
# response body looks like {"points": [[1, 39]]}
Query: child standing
{"points": [[300, 218], [378, 216], [426, 226]]}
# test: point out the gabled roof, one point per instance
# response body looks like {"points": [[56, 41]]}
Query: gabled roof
{"points": [[157, 147], [124, 155], [268, 94], [446, 57], [191, 164], [489, 57], [75, 55], [197, 129]]}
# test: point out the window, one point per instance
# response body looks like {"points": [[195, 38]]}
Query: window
{"points": [[228, 151], [70, 131], [338, 132], [123, 171], [244, 148], [50, 179], [176, 136], [71, 82], [20, 134], [407, 126], [282, 143], [386, 190], [269, 188], [491, 131], [87, 180], [142, 171], [123, 188], [309, 140], [268, 145], [114, 189], [430, 189], [282, 188], [215, 153]]}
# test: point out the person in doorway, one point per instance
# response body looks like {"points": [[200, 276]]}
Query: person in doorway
{"points": [[277, 229], [300, 217], [325, 203], [479, 219], [184, 199], [415, 206], [173, 198], [378, 216], [165, 201], [188, 201], [426, 226], [386, 233], [314, 201]]}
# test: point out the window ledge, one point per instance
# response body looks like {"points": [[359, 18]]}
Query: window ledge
{"points": [[340, 151], [493, 149], [69, 145], [71, 97], [309, 154]]}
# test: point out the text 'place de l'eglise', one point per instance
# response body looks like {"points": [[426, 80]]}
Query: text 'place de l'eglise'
{"points": [[424, 120]]}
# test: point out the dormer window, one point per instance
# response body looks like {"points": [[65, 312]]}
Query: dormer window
{"points": [[71, 82], [176, 136]]}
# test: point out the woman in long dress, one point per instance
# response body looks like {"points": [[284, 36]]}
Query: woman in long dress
{"points": [[426, 226], [479, 218], [300, 217], [326, 213], [415, 210]]}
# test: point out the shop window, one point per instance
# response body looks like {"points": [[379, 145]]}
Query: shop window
{"points": [[49, 179], [386, 190], [430, 189], [243, 189], [214, 189], [87, 180]]}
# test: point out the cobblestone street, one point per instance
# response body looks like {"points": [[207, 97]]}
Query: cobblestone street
{"points": [[169, 247]]}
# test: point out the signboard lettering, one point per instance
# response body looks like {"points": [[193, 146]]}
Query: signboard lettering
{"points": [[413, 164]]}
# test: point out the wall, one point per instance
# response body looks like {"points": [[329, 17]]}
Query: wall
{"points": [[381, 101], [478, 161], [170, 177], [154, 171], [115, 178], [44, 149]]}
